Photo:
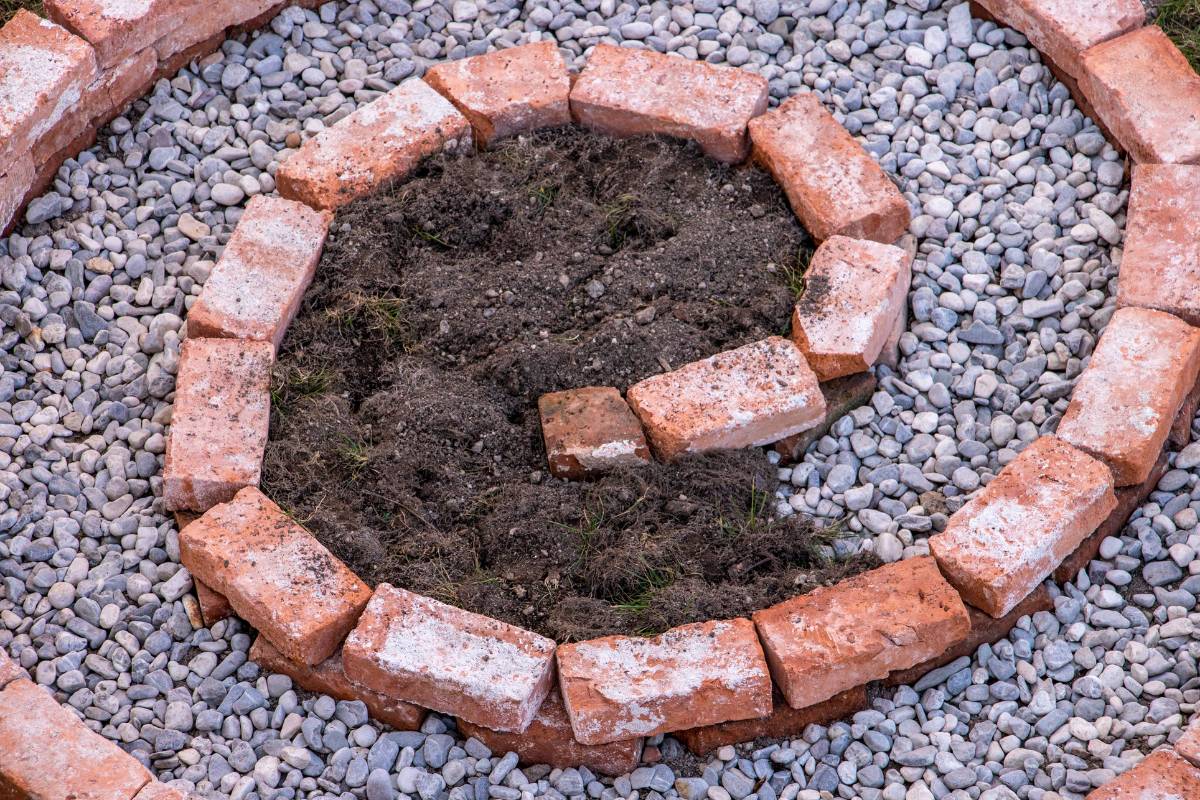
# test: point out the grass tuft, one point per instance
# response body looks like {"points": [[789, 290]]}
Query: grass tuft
{"points": [[1180, 19]]}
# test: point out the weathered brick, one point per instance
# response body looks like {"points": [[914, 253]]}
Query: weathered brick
{"points": [[834, 186], [205, 21], [590, 430], [219, 425], [10, 670], [842, 636], [1146, 94], [275, 574], [627, 92], [46, 753], [1162, 775], [619, 687], [507, 92], [116, 28], [329, 677], [550, 740], [14, 186], [754, 395], [854, 290], [1160, 267], [256, 287], [214, 606], [1126, 399], [1063, 29], [784, 722], [378, 144], [44, 72], [1188, 745], [1003, 543], [480, 669]]}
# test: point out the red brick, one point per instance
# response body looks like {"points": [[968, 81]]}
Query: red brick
{"points": [[784, 722], [589, 431], [855, 290], [627, 92], [206, 21], [219, 425], [44, 71], [1126, 400], [46, 753], [834, 186], [619, 687], [14, 185], [550, 740], [214, 606], [10, 670], [754, 395], [1188, 745], [329, 677], [275, 574], [1003, 543], [1146, 94], [842, 395], [1062, 29], [376, 145], [116, 28], [508, 92], [1160, 267], [485, 671], [842, 636], [1160, 776], [256, 287]]}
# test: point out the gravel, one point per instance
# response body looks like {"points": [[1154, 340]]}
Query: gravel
{"points": [[1019, 211]]}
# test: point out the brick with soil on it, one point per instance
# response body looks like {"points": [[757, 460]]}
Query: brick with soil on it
{"points": [[275, 575], [1162, 775], [550, 740], [590, 430], [1062, 29], [1160, 267], [46, 71], [1146, 94], [860, 630], [417, 649], [834, 185], [1125, 402], [329, 677], [379, 144], [507, 92], [256, 287], [854, 291], [620, 687], [1003, 543], [47, 753], [627, 92], [219, 424], [752, 396]]}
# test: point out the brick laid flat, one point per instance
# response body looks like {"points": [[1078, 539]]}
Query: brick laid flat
{"points": [[621, 687], [628, 92], [855, 290], [507, 92], [416, 649], [1125, 402], [1002, 544], [835, 638], [1160, 267], [550, 740], [1146, 94], [589, 431], [44, 72], [833, 184], [1160, 776], [754, 395], [117, 29], [219, 424], [46, 753], [1063, 29], [329, 677], [275, 574], [256, 287], [378, 144]]}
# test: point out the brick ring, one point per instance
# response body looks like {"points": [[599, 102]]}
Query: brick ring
{"points": [[803, 660]]}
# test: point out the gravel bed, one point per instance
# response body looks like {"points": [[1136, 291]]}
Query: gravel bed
{"points": [[1019, 205]]}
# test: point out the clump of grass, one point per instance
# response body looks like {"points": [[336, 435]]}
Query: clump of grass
{"points": [[380, 315], [9, 8], [1180, 20], [794, 270], [292, 383], [354, 454]]}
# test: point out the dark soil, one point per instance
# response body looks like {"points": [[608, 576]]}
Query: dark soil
{"points": [[404, 428]]}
